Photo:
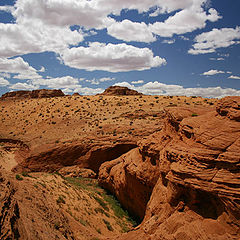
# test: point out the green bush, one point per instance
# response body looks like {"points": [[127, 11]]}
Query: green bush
{"points": [[25, 174], [18, 177], [60, 200]]}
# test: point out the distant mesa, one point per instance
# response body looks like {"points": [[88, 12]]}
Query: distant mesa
{"points": [[119, 91], [76, 94], [42, 93]]}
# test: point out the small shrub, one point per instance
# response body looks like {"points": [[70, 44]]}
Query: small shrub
{"points": [[100, 210], [18, 177], [60, 200], [57, 225], [101, 202], [42, 184], [194, 115], [25, 174], [83, 222], [109, 227]]}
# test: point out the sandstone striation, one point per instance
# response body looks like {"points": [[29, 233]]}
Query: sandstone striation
{"points": [[119, 91], [88, 155], [183, 181], [42, 93]]}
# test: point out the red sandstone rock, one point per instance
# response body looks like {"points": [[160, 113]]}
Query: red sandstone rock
{"points": [[230, 107], [184, 180], [76, 94], [42, 93], [87, 155], [118, 91]]}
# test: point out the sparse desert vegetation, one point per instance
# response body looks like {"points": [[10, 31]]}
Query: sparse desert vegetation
{"points": [[64, 119]]}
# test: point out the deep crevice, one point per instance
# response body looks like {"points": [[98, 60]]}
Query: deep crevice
{"points": [[205, 204]]}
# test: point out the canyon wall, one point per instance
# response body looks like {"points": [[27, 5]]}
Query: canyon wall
{"points": [[183, 181]]}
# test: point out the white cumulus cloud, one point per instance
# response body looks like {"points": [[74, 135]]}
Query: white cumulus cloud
{"points": [[88, 91], [157, 88], [3, 82], [212, 72], [137, 82], [131, 31], [35, 37], [16, 65], [23, 86], [57, 83], [111, 57], [208, 42], [234, 77], [95, 81], [187, 20], [19, 67], [42, 69]]}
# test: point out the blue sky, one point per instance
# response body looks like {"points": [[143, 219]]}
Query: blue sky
{"points": [[188, 47]]}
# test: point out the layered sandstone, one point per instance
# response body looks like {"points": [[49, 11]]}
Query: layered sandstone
{"points": [[183, 181], [88, 155]]}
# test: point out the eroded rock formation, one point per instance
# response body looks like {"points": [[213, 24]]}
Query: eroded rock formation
{"points": [[42, 93], [88, 155], [118, 91], [183, 181]]}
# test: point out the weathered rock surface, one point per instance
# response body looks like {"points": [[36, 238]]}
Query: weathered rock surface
{"points": [[88, 155], [183, 181], [230, 107], [42, 93], [118, 91]]}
